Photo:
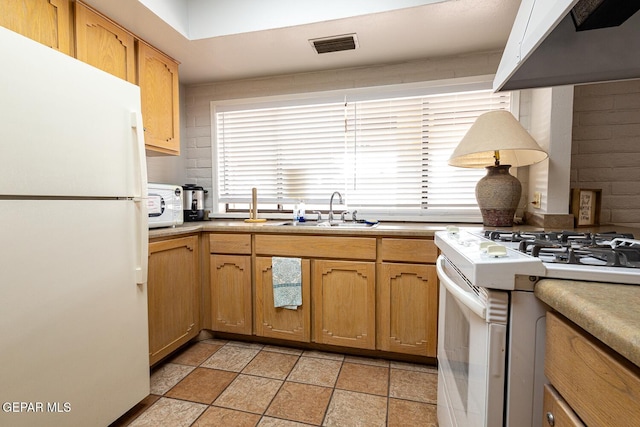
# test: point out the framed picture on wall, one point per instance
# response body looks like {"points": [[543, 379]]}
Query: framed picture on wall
{"points": [[585, 206]]}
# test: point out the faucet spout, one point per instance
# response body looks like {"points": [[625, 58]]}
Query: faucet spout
{"points": [[331, 204]]}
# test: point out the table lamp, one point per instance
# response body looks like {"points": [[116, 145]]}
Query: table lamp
{"points": [[497, 141]]}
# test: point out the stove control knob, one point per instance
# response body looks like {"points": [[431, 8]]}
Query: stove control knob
{"points": [[496, 250], [484, 245]]}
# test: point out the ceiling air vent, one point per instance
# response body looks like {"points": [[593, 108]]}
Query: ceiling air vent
{"points": [[335, 43]]}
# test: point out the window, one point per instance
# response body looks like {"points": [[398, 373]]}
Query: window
{"points": [[386, 153]]}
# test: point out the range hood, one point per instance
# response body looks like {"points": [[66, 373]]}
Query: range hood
{"points": [[562, 42]]}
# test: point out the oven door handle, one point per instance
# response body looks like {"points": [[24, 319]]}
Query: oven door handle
{"points": [[462, 296]]}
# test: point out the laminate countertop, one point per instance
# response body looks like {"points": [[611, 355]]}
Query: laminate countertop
{"points": [[384, 228], [610, 312]]}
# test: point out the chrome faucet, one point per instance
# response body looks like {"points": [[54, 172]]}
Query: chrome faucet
{"points": [[331, 204]]}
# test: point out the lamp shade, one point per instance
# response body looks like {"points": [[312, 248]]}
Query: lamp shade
{"points": [[496, 131], [497, 141]]}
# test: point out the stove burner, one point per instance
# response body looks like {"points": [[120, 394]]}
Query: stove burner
{"points": [[609, 249]]}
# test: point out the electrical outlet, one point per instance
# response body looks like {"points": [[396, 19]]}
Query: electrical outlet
{"points": [[537, 200]]}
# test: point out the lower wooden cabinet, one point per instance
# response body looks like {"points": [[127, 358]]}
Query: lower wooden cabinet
{"points": [[557, 413], [407, 308], [344, 303], [272, 322], [230, 277], [173, 295], [599, 385]]}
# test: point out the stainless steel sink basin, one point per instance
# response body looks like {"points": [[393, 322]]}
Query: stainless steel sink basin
{"points": [[340, 224]]}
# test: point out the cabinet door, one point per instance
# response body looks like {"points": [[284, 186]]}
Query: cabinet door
{"points": [[103, 44], [45, 21], [408, 308], [281, 322], [344, 303], [231, 293], [173, 293], [158, 80]]}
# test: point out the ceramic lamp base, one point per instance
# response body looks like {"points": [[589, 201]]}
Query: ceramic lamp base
{"points": [[498, 194]]}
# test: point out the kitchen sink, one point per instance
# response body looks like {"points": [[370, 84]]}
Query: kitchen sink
{"points": [[339, 224]]}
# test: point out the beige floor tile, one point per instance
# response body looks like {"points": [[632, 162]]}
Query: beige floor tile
{"points": [[310, 370], [271, 365], [222, 417], [203, 385], [215, 341], [249, 393], [405, 413], [277, 422], [364, 378], [367, 361], [414, 367], [285, 350], [348, 408], [169, 413], [231, 358], [323, 355], [413, 385], [196, 354], [305, 403], [252, 345], [135, 412], [168, 375]]}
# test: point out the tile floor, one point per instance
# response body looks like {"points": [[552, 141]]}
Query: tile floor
{"points": [[236, 384]]}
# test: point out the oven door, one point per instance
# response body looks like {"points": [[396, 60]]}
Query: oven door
{"points": [[472, 333]]}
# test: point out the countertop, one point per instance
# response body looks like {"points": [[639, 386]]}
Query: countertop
{"points": [[406, 229], [610, 312], [385, 228]]}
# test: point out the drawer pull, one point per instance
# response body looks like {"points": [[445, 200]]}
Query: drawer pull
{"points": [[551, 419]]}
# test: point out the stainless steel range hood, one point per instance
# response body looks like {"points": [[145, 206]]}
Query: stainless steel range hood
{"points": [[546, 48]]}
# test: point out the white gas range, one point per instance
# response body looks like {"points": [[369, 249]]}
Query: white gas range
{"points": [[491, 327]]}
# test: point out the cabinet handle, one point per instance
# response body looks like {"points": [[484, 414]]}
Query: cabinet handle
{"points": [[551, 419]]}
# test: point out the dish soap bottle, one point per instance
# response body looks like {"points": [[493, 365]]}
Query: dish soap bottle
{"points": [[301, 213]]}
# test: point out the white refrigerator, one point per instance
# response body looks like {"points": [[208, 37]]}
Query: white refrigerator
{"points": [[73, 241]]}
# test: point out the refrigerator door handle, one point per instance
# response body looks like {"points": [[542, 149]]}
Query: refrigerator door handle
{"points": [[141, 202], [142, 240], [136, 125]]}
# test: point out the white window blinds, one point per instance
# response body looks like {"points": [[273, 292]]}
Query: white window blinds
{"points": [[385, 155]]}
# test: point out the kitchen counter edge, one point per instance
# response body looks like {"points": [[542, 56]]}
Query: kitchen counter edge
{"points": [[276, 227], [607, 311]]}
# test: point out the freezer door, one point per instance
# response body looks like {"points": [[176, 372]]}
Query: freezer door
{"points": [[73, 320], [68, 129]]}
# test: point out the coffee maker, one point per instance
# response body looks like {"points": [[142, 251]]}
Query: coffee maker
{"points": [[193, 202]]}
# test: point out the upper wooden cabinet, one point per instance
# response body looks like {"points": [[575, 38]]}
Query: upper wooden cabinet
{"points": [[45, 21], [158, 80], [105, 45]]}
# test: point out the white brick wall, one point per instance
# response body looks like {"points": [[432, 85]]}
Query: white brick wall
{"points": [[606, 147]]}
